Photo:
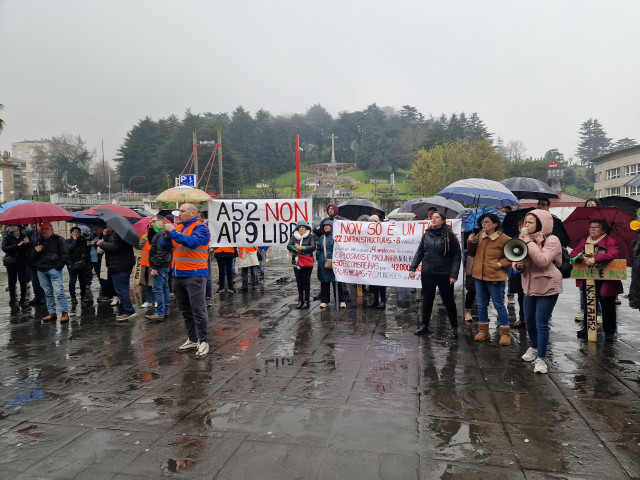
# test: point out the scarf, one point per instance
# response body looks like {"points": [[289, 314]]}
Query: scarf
{"points": [[595, 242]]}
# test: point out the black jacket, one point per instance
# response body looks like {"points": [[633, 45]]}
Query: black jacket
{"points": [[431, 253], [119, 254], [11, 249], [634, 289], [158, 258], [308, 245], [78, 249], [54, 254]]}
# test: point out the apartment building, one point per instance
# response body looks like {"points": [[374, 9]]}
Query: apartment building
{"points": [[36, 177], [618, 173], [7, 188]]}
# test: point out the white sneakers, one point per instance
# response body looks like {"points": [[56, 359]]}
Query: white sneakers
{"points": [[530, 355], [148, 304], [539, 365], [323, 305], [186, 346], [202, 351], [201, 348], [126, 316], [115, 301], [580, 316], [343, 305]]}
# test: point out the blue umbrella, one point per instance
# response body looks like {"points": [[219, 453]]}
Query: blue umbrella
{"points": [[480, 191], [470, 216], [81, 218], [4, 206]]}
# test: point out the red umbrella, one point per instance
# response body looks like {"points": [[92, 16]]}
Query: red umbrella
{"points": [[142, 225], [34, 212], [577, 227], [119, 209]]}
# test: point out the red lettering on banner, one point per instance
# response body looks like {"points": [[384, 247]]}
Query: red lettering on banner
{"points": [[275, 213], [288, 205], [351, 228], [300, 213], [408, 228], [390, 227]]}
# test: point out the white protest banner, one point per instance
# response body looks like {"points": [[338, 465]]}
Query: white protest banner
{"points": [[380, 253], [253, 223]]}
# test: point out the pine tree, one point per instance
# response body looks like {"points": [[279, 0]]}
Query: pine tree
{"points": [[593, 141]]}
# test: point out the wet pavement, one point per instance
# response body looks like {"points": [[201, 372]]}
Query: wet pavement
{"points": [[312, 394]]}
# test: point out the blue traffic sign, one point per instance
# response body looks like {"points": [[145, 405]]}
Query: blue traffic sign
{"points": [[188, 180]]}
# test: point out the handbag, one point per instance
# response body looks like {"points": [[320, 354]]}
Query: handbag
{"points": [[305, 261], [9, 260], [328, 262]]}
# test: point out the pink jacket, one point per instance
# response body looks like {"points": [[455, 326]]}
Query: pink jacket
{"points": [[540, 276], [606, 249]]}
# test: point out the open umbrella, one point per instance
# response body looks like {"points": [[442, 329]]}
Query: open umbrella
{"points": [[470, 216], [119, 209], [34, 212], [626, 204], [512, 219], [398, 215], [183, 194], [480, 191], [8, 205], [122, 227], [142, 225], [420, 206], [525, 187], [577, 226], [352, 209]]}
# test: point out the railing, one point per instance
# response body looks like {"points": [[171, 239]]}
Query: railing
{"points": [[89, 199]]}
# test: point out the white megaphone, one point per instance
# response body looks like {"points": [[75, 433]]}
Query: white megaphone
{"points": [[515, 250]]}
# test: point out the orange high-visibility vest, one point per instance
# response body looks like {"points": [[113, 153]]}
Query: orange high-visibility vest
{"points": [[224, 249], [185, 258], [144, 254]]}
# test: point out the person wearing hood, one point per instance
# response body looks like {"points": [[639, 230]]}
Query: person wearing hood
{"points": [[324, 251], [440, 255], [541, 283], [302, 244], [332, 211]]}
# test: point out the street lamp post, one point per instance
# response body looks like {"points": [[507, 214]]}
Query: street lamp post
{"points": [[135, 176]]}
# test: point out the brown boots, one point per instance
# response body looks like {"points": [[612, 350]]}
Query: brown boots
{"points": [[483, 332], [505, 335]]}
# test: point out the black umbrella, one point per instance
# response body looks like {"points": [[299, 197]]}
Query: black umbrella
{"points": [[352, 209], [511, 220], [525, 187], [626, 204], [122, 227]]}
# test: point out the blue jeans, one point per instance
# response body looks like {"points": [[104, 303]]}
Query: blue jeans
{"points": [[121, 286], [495, 290], [161, 291], [38, 291], [52, 282], [537, 313]]}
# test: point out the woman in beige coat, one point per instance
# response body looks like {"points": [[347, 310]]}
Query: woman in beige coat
{"points": [[489, 272]]}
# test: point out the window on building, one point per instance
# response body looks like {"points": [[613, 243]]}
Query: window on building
{"points": [[612, 191], [629, 191], [631, 170], [613, 173]]}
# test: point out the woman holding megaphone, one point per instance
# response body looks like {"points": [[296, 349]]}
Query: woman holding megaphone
{"points": [[541, 282]]}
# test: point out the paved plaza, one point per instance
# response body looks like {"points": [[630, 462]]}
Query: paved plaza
{"points": [[312, 394]]}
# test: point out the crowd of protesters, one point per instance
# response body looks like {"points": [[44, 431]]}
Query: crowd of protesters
{"points": [[183, 253]]}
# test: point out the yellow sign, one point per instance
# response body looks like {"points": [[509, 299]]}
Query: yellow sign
{"points": [[614, 270]]}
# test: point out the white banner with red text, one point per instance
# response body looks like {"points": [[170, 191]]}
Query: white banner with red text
{"points": [[371, 253], [253, 223]]}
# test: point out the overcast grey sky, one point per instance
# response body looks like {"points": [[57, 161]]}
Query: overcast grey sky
{"points": [[533, 70]]}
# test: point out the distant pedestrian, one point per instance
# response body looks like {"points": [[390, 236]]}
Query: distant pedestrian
{"points": [[16, 248], [145, 270], [224, 257], [440, 256], [302, 244], [189, 241], [159, 266], [106, 287], [120, 261], [38, 293], [379, 291], [262, 261], [77, 264], [50, 256]]}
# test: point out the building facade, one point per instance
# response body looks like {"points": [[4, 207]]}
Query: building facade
{"points": [[618, 173], [36, 178], [7, 187]]}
